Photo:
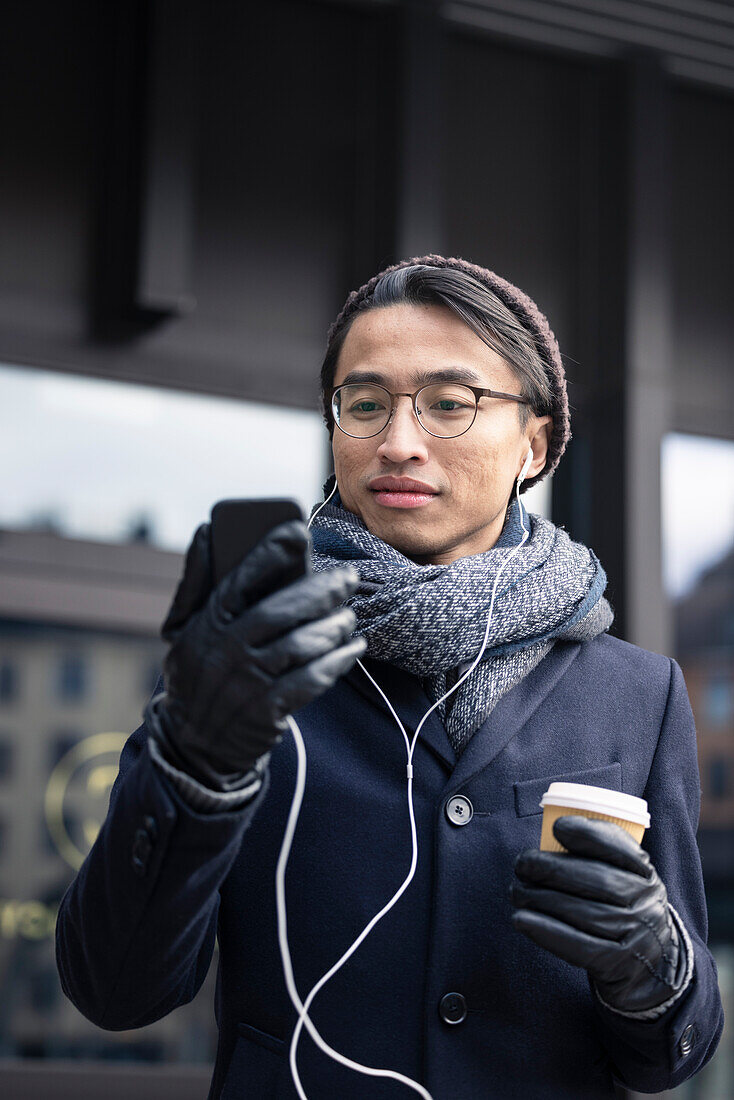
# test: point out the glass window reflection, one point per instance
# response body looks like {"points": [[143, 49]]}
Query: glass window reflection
{"points": [[698, 563], [107, 491], [121, 462]]}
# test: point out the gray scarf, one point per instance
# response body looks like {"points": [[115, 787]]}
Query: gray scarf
{"points": [[431, 619]]}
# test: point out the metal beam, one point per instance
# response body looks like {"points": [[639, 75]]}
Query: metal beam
{"points": [[166, 231], [588, 496], [420, 197], [648, 386]]}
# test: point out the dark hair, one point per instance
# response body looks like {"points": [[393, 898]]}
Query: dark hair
{"points": [[476, 305]]}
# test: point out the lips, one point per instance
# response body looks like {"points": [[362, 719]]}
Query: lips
{"points": [[401, 485]]}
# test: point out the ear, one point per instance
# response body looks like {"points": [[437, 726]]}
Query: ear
{"points": [[539, 434]]}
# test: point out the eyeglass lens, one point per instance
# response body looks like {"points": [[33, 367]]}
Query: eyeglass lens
{"points": [[444, 409]]}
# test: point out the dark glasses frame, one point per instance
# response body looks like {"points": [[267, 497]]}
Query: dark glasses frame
{"points": [[478, 392]]}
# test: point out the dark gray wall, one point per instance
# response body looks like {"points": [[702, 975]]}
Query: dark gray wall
{"points": [[286, 163], [292, 174], [703, 262]]}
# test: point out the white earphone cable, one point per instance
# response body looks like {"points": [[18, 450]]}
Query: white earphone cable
{"points": [[303, 1007]]}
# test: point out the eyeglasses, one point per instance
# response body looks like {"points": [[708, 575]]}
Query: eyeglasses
{"points": [[443, 409]]}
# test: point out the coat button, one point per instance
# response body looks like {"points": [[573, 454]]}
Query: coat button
{"points": [[687, 1040], [142, 847], [459, 810], [452, 1008]]}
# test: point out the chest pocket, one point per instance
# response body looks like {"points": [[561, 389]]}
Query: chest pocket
{"points": [[528, 792]]}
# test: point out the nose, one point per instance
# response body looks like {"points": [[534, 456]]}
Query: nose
{"points": [[403, 438]]}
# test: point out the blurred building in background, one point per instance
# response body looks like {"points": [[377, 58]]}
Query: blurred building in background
{"points": [[189, 191]]}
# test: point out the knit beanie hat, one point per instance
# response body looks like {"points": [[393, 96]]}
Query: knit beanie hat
{"points": [[526, 312]]}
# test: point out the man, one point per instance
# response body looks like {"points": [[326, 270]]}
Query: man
{"points": [[499, 971]]}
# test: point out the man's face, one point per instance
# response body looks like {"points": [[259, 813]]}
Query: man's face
{"points": [[470, 477]]}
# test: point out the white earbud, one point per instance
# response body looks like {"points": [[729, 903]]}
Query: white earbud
{"points": [[528, 460]]}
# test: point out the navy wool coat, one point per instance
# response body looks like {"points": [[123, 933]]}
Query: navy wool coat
{"points": [[136, 929]]}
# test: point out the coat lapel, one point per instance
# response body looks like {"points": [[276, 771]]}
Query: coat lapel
{"points": [[513, 710], [410, 701], [508, 717]]}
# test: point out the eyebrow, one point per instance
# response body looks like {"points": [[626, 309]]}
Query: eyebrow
{"points": [[420, 377]]}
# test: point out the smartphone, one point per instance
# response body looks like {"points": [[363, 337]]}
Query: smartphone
{"points": [[238, 525]]}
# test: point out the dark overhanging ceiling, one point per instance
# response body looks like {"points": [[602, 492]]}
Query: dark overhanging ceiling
{"points": [[694, 38]]}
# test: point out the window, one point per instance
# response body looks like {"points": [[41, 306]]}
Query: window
{"points": [[85, 470], [8, 680], [6, 755], [61, 742], [71, 678], [698, 559], [718, 701], [698, 519], [718, 775]]}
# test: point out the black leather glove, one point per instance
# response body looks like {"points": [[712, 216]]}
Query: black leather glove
{"points": [[602, 906], [259, 646]]}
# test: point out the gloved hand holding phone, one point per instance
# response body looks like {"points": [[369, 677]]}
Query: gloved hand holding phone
{"points": [[258, 646]]}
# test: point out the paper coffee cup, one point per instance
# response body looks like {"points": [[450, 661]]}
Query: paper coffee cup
{"points": [[582, 800]]}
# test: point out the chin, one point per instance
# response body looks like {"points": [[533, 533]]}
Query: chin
{"points": [[412, 544]]}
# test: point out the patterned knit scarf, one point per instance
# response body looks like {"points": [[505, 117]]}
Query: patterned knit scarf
{"points": [[431, 619]]}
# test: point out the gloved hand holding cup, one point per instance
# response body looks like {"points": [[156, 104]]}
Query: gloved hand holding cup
{"points": [[592, 896]]}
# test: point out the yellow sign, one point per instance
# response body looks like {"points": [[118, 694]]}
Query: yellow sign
{"points": [[32, 920], [77, 794]]}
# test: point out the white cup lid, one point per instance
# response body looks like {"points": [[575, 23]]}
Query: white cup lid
{"points": [[581, 796]]}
